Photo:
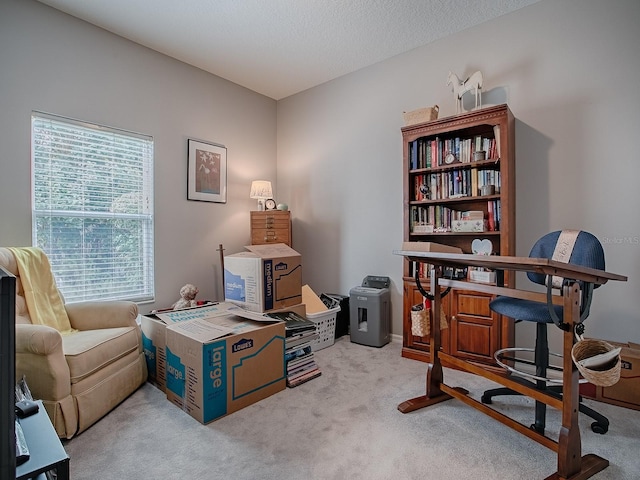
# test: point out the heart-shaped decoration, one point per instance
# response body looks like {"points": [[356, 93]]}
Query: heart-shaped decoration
{"points": [[482, 247]]}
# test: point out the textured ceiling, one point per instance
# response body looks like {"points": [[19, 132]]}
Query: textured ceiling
{"points": [[281, 47]]}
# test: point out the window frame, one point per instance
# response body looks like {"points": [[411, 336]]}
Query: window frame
{"points": [[123, 267]]}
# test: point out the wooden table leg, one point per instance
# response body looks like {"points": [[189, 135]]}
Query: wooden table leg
{"points": [[433, 393], [571, 465]]}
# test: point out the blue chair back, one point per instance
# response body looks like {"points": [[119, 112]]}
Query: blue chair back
{"points": [[587, 252]]}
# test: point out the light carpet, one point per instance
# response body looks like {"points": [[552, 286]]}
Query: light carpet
{"points": [[343, 424]]}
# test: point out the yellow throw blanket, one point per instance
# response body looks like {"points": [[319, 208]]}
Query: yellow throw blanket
{"points": [[40, 292]]}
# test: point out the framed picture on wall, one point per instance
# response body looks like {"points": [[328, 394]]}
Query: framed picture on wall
{"points": [[207, 172]]}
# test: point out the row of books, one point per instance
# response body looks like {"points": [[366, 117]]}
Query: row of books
{"points": [[299, 358], [430, 152], [455, 183], [442, 218], [424, 271]]}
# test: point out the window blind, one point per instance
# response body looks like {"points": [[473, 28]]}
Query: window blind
{"points": [[92, 208]]}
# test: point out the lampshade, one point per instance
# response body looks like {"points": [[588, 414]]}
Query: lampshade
{"points": [[261, 189]]}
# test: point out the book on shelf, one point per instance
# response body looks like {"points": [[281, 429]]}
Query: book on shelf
{"points": [[496, 142], [472, 215], [456, 183], [491, 219], [430, 152]]}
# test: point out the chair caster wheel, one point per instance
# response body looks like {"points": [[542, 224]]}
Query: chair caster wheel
{"points": [[599, 428], [486, 399]]}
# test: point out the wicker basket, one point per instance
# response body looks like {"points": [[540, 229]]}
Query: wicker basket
{"points": [[603, 376], [420, 323], [421, 115]]}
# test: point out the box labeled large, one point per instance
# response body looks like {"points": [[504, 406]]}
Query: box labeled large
{"points": [[154, 327], [218, 365], [264, 278], [626, 392], [153, 344]]}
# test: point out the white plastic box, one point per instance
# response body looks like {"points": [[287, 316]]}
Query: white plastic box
{"points": [[325, 326]]}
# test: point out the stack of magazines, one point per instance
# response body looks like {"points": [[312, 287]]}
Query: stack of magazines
{"points": [[300, 332]]}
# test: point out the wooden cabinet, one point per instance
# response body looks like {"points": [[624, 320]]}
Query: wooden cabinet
{"points": [[475, 329], [443, 199], [271, 226]]}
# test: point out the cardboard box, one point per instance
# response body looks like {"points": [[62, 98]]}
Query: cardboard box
{"points": [[264, 278], [153, 344], [154, 327], [429, 247], [626, 392], [218, 365]]}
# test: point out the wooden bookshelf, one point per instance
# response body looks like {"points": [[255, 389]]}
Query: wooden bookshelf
{"points": [[443, 183]]}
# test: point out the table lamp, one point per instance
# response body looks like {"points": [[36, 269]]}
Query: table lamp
{"points": [[261, 189]]}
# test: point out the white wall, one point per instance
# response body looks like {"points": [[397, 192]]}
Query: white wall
{"points": [[52, 62], [567, 68], [569, 71]]}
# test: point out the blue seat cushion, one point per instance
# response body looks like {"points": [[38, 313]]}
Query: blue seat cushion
{"points": [[526, 310]]}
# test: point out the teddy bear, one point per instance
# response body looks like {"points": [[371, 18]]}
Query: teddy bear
{"points": [[187, 297]]}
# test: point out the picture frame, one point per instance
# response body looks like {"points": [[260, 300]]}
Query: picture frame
{"points": [[206, 172]]}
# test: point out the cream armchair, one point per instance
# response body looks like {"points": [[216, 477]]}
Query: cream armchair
{"points": [[83, 375]]}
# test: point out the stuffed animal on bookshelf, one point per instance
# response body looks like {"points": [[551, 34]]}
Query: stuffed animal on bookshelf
{"points": [[187, 297], [474, 82]]}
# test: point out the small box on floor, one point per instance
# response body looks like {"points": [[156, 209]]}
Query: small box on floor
{"points": [[626, 392], [218, 365], [264, 278]]}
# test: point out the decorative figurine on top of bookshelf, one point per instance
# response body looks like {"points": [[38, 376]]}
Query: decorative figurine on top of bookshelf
{"points": [[474, 82]]}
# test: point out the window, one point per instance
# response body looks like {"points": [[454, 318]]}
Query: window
{"points": [[93, 208]]}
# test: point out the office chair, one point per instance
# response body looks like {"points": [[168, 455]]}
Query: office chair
{"points": [[587, 252]]}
